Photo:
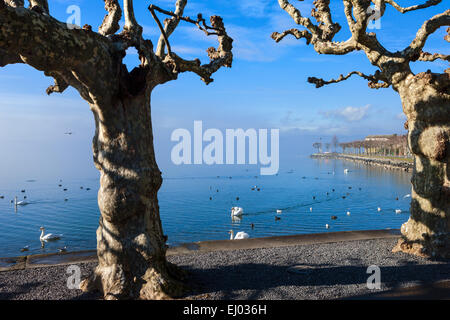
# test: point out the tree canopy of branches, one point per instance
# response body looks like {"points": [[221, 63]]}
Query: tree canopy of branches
{"points": [[425, 98], [335, 142], [130, 242], [317, 145], [394, 145]]}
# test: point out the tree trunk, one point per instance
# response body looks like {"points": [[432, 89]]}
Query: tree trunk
{"points": [[130, 242], [426, 102]]}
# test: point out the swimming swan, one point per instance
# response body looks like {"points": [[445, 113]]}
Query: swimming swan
{"points": [[239, 235], [236, 219], [237, 211], [49, 236], [20, 203]]}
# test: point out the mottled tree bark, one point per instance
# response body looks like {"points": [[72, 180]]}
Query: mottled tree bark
{"points": [[426, 102], [130, 240], [131, 245], [425, 98]]}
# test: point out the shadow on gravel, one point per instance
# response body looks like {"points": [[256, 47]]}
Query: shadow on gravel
{"points": [[434, 291], [34, 290], [259, 278], [19, 290]]}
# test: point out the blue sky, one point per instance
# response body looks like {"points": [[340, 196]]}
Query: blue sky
{"points": [[265, 88]]}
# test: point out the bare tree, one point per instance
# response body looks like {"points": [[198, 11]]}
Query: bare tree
{"points": [[130, 241], [343, 146], [425, 98], [335, 143], [318, 146]]}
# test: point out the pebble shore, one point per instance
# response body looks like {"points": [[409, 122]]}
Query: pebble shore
{"points": [[311, 271]]}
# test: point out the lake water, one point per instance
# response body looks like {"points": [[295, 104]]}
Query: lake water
{"points": [[189, 215]]}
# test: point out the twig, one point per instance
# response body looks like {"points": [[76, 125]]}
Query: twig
{"points": [[166, 40]]}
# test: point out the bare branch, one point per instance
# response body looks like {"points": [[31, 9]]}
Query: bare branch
{"points": [[426, 56], [50, 46], [39, 6], [413, 51], [297, 16], [130, 20], [60, 84], [360, 11], [110, 24], [374, 80], [322, 47], [321, 12], [163, 34], [295, 32], [376, 53], [401, 9], [348, 7], [169, 27], [64, 79], [320, 36], [14, 3], [131, 36], [222, 56], [200, 22], [325, 30]]}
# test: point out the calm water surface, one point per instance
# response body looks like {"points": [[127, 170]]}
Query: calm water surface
{"points": [[189, 215]]}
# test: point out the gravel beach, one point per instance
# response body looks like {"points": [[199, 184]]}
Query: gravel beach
{"points": [[319, 271]]}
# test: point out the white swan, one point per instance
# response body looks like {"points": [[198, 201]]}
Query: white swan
{"points": [[49, 236], [237, 211], [19, 203], [236, 219], [279, 211], [239, 235]]}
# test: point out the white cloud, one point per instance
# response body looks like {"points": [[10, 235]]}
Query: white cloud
{"points": [[349, 114]]}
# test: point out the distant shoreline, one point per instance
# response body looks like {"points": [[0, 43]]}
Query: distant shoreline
{"points": [[384, 162]]}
